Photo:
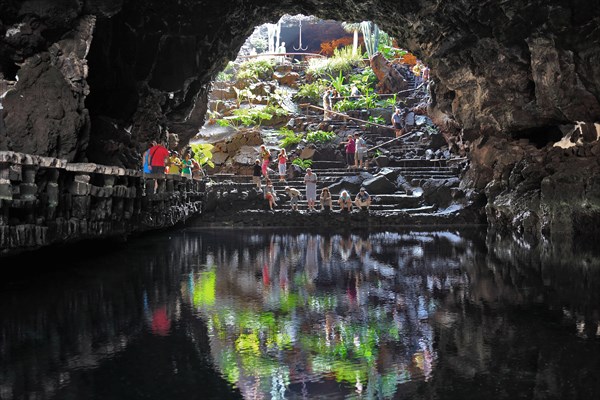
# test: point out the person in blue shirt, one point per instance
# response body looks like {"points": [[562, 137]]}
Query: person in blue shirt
{"points": [[363, 199]]}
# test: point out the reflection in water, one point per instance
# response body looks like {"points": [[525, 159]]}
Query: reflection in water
{"points": [[269, 314]]}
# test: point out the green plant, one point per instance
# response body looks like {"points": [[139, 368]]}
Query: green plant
{"points": [[311, 91], [377, 120], [251, 116], [290, 137], [203, 154], [320, 136], [342, 61], [302, 163], [370, 33], [256, 69], [338, 84]]}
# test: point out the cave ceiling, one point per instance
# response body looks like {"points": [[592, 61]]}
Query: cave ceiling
{"points": [[98, 79]]}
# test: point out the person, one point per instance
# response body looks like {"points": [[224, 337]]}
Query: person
{"points": [[345, 201], [146, 158], [294, 197], [425, 74], [281, 163], [397, 122], [186, 165], [416, 70], [363, 199], [325, 199], [158, 158], [265, 156], [256, 173], [354, 92], [310, 180], [350, 150], [270, 194], [197, 171], [408, 121], [361, 149], [174, 163], [327, 105]]}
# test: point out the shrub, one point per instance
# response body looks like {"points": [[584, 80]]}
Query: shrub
{"points": [[256, 69], [290, 137], [320, 136], [302, 163]]}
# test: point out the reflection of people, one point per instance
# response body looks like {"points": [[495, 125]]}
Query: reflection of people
{"points": [[363, 199], [310, 180]]}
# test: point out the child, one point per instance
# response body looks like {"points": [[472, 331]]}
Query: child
{"points": [[256, 173], [270, 194], [281, 162]]}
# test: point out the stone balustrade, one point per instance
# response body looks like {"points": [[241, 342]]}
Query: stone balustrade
{"points": [[45, 201]]}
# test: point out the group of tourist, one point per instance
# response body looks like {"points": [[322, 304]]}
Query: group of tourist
{"points": [[159, 160]]}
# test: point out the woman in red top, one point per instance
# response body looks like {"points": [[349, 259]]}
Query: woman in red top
{"points": [[350, 150], [282, 160]]}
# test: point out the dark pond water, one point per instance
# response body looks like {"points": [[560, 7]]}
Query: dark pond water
{"points": [[267, 314]]}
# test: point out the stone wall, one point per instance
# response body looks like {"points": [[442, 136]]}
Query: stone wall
{"points": [[45, 201]]}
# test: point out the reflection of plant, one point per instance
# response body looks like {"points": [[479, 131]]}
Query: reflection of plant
{"points": [[319, 136], [302, 163]]}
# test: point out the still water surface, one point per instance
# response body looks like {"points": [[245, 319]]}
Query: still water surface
{"points": [[268, 314]]}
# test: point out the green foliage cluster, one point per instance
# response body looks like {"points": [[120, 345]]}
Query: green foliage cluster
{"points": [[342, 61], [227, 74], [255, 70], [302, 162], [203, 153], [253, 116], [319, 136], [312, 91], [290, 137]]}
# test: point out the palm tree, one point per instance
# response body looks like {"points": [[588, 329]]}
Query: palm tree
{"points": [[352, 27]]}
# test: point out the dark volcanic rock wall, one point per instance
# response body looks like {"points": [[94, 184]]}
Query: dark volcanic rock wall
{"points": [[98, 79]]}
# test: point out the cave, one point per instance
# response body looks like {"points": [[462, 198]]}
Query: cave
{"points": [[115, 75]]}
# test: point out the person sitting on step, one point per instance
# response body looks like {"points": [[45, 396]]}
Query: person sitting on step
{"points": [[363, 199], [325, 199], [345, 201], [270, 194]]}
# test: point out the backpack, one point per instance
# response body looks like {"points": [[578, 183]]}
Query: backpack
{"points": [[409, 119]]}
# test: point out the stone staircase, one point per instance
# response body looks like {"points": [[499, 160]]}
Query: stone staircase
{"points": [[414, 171]]}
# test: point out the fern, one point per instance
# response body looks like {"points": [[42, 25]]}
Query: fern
{"points": [[302, 163]]}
